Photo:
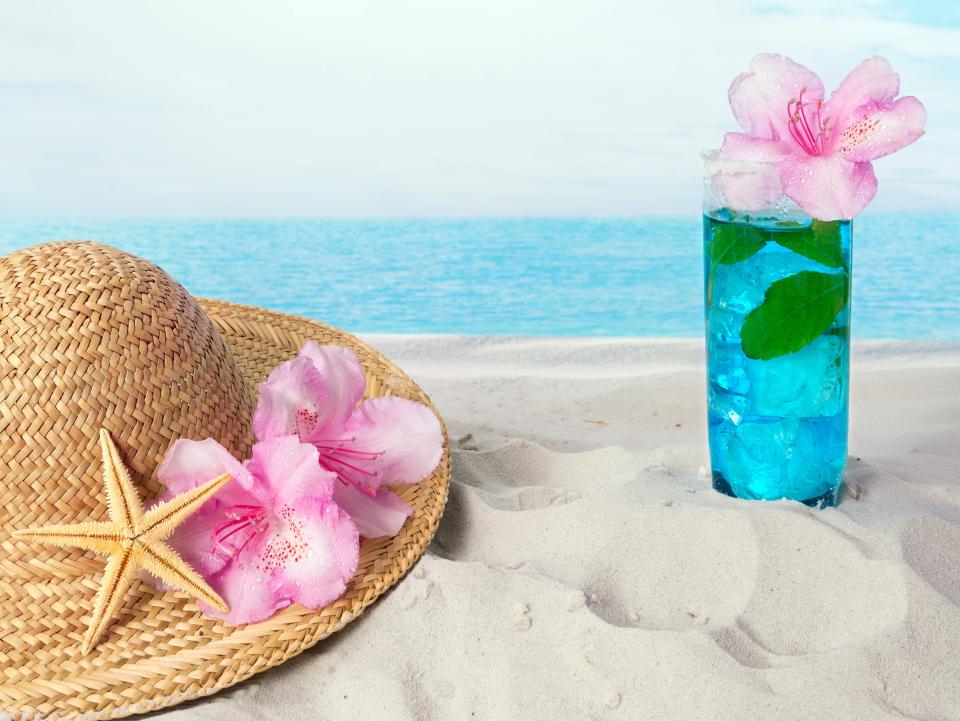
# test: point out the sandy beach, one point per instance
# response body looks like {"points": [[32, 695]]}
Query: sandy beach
{"points": [[584, 568]]}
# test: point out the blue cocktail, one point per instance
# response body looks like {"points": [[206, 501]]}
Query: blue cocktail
{"points": [[778, 353]]}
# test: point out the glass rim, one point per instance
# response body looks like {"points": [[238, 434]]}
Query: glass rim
{"points": [[711, 163]]}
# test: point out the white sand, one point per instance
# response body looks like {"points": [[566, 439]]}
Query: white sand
{"points": [[585, 570]]}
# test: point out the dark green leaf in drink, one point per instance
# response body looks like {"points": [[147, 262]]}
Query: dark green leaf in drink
{"points": [[819, 242], [735, 242], [795, 310]]}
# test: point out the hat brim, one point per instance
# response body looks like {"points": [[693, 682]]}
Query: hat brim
{"points": [[163, 651]]}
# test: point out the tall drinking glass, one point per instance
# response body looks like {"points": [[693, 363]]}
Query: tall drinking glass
{"points": [[777, 289]]}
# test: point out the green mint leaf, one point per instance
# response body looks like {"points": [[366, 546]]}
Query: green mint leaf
{"points": [[735, 242], [819, 242], [795, 310]]}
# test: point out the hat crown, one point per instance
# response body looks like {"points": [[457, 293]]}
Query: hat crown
{"points": [[93, 337]]}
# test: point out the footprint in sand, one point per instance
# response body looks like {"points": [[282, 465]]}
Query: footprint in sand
{"points": [[444, 689], [639, 558], [614, 701], [522, 619], [931, 546], [521, 476], [820, 578], [415, 589]]}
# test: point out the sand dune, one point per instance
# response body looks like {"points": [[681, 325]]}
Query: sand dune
{"points": [[584, 568]]}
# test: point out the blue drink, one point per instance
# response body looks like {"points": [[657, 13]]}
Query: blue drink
{"points": [[778, 354]]}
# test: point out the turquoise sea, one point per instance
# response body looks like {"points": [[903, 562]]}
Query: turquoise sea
{"points": [[577, 277]]}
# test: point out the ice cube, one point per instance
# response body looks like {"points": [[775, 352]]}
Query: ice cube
{"points": [[805, 384], [728, 384], [735, 294], [778, 263], [738, 288], [783, 458]]}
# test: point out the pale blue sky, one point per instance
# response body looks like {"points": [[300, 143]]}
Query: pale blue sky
{"points": [[431, 108]]}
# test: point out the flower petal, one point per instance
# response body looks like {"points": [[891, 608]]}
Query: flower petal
{"points": [[288, 470], [872, 81], [344, 383], [877, 130], [189, 464], [405, 433], [377, 516], [248, 589], [315, 554], [829, 188], [740, 146], [759, 97], [294, 392], [195, 538]]}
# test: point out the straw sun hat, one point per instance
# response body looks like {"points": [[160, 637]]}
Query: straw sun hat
{"points": [[91, 338]]}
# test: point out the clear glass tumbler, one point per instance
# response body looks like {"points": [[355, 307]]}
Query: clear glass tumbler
{"points": [[777, 289]]}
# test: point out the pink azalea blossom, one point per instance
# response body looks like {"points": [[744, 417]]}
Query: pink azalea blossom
{"points": [[821, 149], [367, 444], [272, 536]]}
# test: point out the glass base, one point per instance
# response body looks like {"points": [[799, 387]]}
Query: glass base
{"points": [[825, 500]]}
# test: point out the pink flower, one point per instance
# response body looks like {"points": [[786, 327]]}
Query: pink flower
{"points": [[365, 445], [272, 536], [822, 150]]}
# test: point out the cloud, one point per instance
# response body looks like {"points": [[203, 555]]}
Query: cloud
{"points": [[486, 107]]}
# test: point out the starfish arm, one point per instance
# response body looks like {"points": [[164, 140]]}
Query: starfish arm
{"points": [[167, 565], [160, 521], [102, 538], [120, 573], [123, 501]]}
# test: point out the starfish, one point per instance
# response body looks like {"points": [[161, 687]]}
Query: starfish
{"points": [[133, 539]]}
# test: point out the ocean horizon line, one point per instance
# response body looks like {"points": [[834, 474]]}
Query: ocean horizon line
{"points": [[412, 218], [599, 277]]}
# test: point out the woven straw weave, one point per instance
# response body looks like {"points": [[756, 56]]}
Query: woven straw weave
{"points": [[91, 337]]}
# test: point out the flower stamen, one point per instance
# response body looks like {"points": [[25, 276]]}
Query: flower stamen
{"points": [[808, 128], [342, 459], [252, 519]]}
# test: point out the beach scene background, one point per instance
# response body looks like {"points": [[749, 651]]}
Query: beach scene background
{"points": [[484, 168], [504, 198]]}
